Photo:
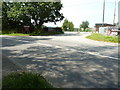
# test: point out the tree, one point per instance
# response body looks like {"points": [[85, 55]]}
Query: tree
{"points": [[84, 25], [71, 26], [68, 26], [8, 22], [39, 12], [65, 25]]}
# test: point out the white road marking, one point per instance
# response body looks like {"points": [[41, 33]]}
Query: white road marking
{"points": [[97, 54], [91, 53]]}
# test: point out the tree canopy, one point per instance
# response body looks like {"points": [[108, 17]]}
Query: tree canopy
{"points": [[29, 13], [68, 26], [84, 25]]}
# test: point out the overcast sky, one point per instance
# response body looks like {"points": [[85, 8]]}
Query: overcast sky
{"points": [[90, 10]]}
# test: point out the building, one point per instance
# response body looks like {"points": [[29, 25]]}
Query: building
{"points": [[109, 29], [98, 25], [119, 13]]}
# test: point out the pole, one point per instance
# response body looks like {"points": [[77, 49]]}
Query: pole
{"points": [[119, 13], [114, 14], [103, 12]]}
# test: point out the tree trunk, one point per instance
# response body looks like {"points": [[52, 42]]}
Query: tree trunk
{"points": [[36, 24]]}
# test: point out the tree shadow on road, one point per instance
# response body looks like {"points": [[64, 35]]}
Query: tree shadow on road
{"points": [[65, 67], [19, 40]]}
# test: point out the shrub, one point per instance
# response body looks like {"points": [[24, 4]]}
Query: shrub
{"points": [[88, 30], [9, 31]]}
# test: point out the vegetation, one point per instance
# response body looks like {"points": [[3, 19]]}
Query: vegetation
{"points": [[45, 33], [25, 80], [33, 34], [86, 30], [16, 34], [100, 37], [17, 14], [68, 26], [84, 25], [11, 31]]}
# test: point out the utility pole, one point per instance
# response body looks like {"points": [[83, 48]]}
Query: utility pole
{"points": [[103, 12], [114, 14], [119, 13]]}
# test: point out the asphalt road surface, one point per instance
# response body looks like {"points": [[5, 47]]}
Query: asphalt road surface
{"points": [[66, 61]]}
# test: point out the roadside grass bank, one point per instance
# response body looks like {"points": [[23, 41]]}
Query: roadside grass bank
{"points": [[16, 34], [100, 37], [33, 34], [25, 80]]}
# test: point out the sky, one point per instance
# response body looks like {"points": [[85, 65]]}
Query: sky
{"points": [[78, 11]]}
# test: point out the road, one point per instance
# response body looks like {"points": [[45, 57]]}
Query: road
{"points": [[66, 61]]}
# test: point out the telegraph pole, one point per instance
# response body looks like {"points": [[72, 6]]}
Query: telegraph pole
{"points": [[103, 12], [114, 14], [119, 13]]}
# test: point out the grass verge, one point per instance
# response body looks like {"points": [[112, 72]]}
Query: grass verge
{"points": [[34, 34], [100, 37], [16, 34], [25, 80]]}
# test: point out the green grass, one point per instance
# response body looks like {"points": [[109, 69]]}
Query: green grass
{"points": [[100, 37], [34, 34], [25, 80], [16, 34]]}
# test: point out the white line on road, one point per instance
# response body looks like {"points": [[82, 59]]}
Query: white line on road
{"points": [[97, 54], [91, 53]]}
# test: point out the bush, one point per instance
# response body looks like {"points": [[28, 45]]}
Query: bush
{"points": [[37, 32], [88, 30], [45, 33], [9, 31], [25, 80]]}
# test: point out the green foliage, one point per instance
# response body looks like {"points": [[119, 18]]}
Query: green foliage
{"points": [[86, 30], [25, 80], [65, 25], [68, 26], [37, 32], [71, 26], [21, 13], [45, 33], [9, 31], [84, 25], [8, 22], [100, 37], [40, 12]]}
